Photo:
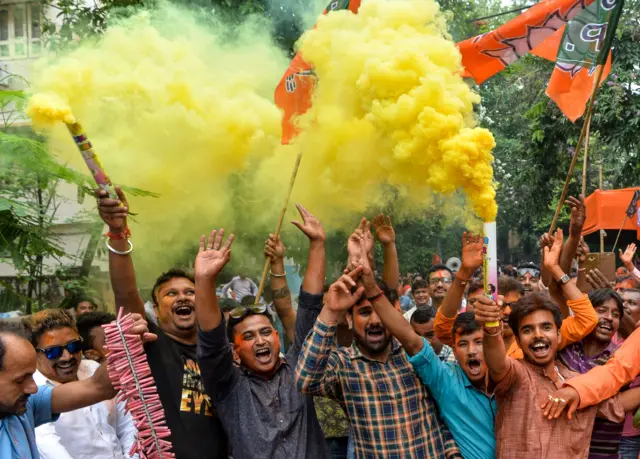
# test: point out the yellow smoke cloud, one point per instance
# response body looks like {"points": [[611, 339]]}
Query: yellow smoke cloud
{"points": [[185, 111], [391, 109]]}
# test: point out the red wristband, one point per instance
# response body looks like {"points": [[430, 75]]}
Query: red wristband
{"points": [[375, 297], [126, 234]]}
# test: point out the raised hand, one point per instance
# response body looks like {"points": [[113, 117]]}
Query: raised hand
{"points": [[384, 230], [344, 293], [213, 256], [471, 253], [310, 225], [545, 241], [578, 215], [368, 280], [597, 279], [274, 248], [354, 247], [627, 256], [551, 256], [113, 212]]}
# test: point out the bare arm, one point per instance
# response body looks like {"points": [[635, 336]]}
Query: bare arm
{"points": [[387, 237], [279, 288], [495, 354], [471, 261], [578, 217], [211, 259], [630, 399], [78, 394], [123, 277], [313, 282]]}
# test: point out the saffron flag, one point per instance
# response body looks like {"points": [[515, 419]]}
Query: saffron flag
{"points": [[576, 34], [294, 91]]}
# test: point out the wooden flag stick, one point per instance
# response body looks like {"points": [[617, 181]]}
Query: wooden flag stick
{"points": [[585, 164], [267, 263], [620, 231], [574, 160]]}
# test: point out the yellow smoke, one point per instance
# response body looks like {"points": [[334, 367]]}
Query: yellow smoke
{"points": [[390, 109], [185, 111]]}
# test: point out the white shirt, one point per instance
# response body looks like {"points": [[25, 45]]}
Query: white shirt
{"points": [[100, 431], [241, 287]]}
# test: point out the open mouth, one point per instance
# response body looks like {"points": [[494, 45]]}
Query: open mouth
{"points": [[183, 310], [263, 355], [65, 366], [605, 327], [540, 349], [474, 367], [376, 334]]}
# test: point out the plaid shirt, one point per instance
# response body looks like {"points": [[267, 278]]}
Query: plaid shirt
{"points": [[390, 410], [446, 355]]}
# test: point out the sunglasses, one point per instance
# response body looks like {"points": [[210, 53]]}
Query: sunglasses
{"points": [[242, 311], [530, 271], [55, 352]]}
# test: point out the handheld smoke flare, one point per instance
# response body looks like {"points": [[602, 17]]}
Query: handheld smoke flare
{"points": [[91, 158], [131, 376], [490, 265]]}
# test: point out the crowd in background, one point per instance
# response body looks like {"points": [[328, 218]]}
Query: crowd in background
{"points": [[370, 365]]}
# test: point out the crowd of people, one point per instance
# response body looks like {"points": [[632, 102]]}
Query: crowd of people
{"points": [[369, 366]]}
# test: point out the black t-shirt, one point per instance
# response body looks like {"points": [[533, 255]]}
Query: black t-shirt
{"points": [[196, 431]]}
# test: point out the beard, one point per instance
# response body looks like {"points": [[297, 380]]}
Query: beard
{"points": [[371, 348]]}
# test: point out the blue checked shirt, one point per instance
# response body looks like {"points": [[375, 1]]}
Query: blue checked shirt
{"points": [[390, 410]]}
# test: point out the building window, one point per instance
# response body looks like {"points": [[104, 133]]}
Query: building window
{"points": [[20, 30]]}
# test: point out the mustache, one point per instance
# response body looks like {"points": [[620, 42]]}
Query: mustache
{"points": [[374, 328], [540, 341], [179, 303]]}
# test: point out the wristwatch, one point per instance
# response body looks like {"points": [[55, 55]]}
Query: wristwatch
{"points": [[564, 280]]}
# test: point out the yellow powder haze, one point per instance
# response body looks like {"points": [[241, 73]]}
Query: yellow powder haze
{"points": [[177, 108], [390, 109]]}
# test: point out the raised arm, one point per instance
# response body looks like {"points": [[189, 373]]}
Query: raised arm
{"points": [[495, 354], [387, 237], [585, 319], [274, 250], [578, 217], [313, 282], [114, 213], [78, 394], [211, 259], [448, 310], [627, 260], [310, 299], [353, 244], [317, 368]]}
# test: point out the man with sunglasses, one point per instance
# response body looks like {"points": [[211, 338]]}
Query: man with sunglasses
{"points": [[25, 406], [529, 277], [263, 413], [107, 430]]}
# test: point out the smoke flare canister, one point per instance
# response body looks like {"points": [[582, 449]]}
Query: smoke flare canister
{"points": [[490, 265], [91, 159]]}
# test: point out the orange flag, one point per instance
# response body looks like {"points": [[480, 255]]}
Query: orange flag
{"points": [[541, 31], [295, 89]]}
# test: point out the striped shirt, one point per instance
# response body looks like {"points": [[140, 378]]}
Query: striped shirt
{"points": [[391, 412], [606, 436]]}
